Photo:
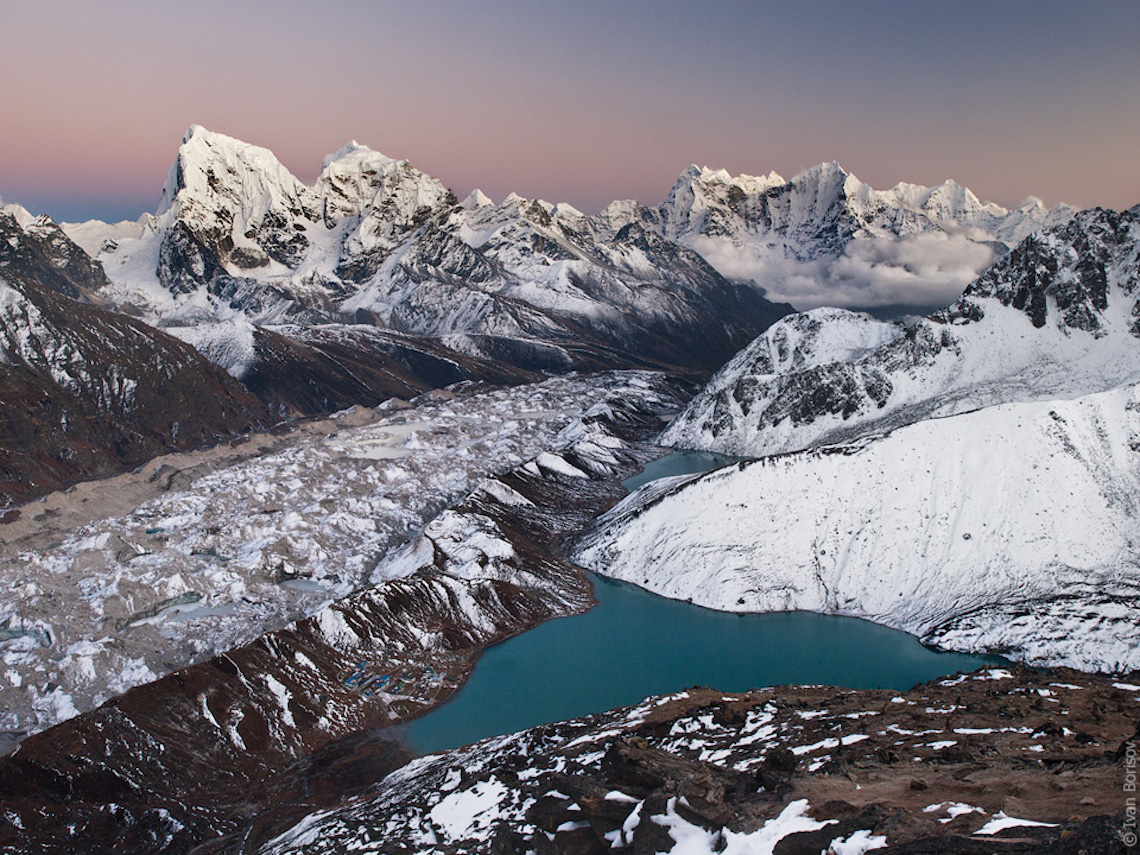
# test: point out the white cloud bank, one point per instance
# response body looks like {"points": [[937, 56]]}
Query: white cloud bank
{"points": [[927, 269]]}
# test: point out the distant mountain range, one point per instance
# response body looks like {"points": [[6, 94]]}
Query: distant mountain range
{"points": [[377, 282], [376, 241], [826, 238]]}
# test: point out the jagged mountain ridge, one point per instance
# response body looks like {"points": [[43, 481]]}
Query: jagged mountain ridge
{"points": [[376, 241], [824, 207], [1054, 318], [857, 246], [86, 392]]}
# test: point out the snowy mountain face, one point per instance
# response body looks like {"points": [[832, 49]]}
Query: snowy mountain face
{"points": [[86, 391], [1054, 318], [36, 248], [826, 238], [377, 241], [1011, 529]]}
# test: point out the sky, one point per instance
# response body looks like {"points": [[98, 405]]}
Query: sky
{"points": [[581, 102]]}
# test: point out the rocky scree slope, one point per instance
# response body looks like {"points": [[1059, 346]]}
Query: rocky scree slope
{"points": [[375, 240], [1057, 317], [978, 763], [84, 391]]}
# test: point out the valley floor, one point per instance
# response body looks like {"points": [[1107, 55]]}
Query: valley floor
{"points": [[117, 582]]}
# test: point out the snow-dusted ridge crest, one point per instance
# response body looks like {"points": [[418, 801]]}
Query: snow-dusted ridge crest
{"points": [[1055, 318], [1011, 529]]}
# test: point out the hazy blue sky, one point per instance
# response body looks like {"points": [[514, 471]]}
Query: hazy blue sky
{"points": [[582, 102]]}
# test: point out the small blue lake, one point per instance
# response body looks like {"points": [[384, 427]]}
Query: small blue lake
{"points": [[634, 644], [679, 462]]}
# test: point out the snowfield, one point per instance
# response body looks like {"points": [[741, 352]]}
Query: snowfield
{"points": [[249, 547], [1012, 529]]}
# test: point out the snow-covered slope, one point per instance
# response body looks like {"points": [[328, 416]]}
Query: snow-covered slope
{"points": [[1055, 318], [1011, 529], [826, 238], [377, 241]]}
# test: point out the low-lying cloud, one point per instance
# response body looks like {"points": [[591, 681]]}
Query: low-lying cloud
{"points": [[928, 269]]}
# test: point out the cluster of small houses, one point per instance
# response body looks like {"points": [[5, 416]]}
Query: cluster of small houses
{"points": [[368, 684]]}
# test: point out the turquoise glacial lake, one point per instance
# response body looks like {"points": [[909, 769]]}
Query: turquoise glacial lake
{"points": [[634, 644], [678, 463]]}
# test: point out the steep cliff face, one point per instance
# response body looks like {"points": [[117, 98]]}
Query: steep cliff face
{"points": [[1055, 318]]}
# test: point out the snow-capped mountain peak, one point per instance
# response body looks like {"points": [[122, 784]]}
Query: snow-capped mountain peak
{"points": [[357, 178], [211, 166], [350, 149], [476, 199]]}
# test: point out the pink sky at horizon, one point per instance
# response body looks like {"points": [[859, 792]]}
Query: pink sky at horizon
{"points": [[583, 104]]}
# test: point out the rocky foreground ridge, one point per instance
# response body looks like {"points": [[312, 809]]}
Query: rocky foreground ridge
{"points": [[1032, 762]]}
